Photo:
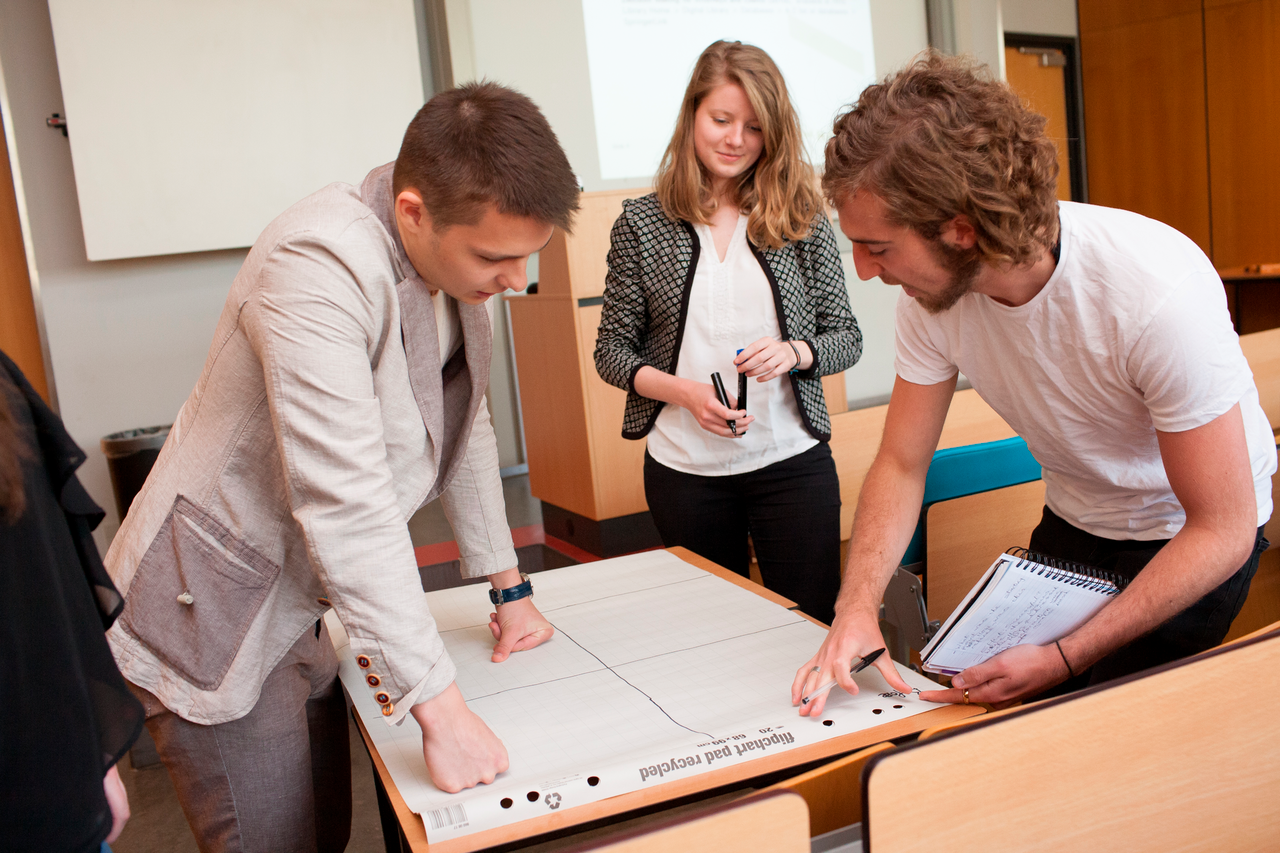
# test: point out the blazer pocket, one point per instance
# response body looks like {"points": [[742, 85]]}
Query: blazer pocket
{"points": [[196, 592]]}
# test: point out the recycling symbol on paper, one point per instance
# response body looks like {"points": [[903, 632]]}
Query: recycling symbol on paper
{"points": [[553, 800]]}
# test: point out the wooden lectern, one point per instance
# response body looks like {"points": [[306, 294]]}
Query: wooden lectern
{"points": [[588, 477]]}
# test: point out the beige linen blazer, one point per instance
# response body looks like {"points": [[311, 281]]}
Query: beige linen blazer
{"points": [[322, 420]]}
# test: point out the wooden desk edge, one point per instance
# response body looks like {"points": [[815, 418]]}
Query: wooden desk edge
{"points": [[732, 577], [416, 834]]}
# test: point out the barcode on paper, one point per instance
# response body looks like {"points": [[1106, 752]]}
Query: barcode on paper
{"points": [[450, 816]]}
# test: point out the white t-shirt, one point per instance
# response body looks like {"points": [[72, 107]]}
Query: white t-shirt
{"points": [[730, 306], [1130, 335]]}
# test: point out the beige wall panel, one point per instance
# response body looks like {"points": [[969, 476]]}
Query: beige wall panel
{"points": [[552, 399], [971, 421], [855, 439], [575, 263], [1262, 350], [833, 388], [618, 466], [966, 535]]}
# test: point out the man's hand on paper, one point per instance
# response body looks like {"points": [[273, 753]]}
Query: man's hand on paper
{"points": [[1000, 681], [851, 635], [460, 750], [518, 626]]}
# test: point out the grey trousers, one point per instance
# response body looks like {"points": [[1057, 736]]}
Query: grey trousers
{"points": [[277, 780]]}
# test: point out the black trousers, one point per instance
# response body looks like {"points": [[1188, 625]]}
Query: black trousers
{"points": [[1201, 626], [791, 509]]}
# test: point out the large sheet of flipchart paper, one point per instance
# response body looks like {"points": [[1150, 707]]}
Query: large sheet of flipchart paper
{"points": [[658, 671]]}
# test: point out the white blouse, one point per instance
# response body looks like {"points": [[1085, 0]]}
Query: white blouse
{"points": [[448, 324], [730, 307]]}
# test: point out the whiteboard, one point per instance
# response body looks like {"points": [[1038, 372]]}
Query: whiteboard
{"points": [[193, 124]]}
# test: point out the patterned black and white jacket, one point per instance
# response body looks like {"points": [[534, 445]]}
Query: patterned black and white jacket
{"points": [[652, 259]]}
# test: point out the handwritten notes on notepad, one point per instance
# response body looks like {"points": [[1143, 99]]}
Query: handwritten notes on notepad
{"points": [[1022, 598], [658, 671]]}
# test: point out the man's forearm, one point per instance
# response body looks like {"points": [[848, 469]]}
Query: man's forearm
{"points": [[506, 578], [1193, 564]]}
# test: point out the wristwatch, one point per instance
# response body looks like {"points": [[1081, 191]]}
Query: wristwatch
{"points": [[512, 593]]}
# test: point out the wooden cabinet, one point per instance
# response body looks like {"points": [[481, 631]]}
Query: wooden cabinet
{"points": [[1142, 65], [1242, 61], [1182, 118], [579, 463]]}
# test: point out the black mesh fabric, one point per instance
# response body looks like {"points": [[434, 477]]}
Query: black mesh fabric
{"points": [[69, 716]]}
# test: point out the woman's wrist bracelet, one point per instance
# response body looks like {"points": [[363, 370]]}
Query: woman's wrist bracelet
{"points": [[796, 367]]}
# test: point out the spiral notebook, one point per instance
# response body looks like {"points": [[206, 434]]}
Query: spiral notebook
{"points": [[1024, 597]]}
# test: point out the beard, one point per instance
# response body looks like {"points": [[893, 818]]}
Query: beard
{"points": [[963, 265]]}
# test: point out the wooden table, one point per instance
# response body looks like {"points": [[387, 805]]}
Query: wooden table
{"points": [[398, 819]]}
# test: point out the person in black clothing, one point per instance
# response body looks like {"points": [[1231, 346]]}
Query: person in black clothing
{"points": [[69, 716]]}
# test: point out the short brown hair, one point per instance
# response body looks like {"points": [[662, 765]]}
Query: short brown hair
{"points": [[941, 139], [779, 193], [482, 143]]}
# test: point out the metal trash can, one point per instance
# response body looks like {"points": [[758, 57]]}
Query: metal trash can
{"points": [[130, 455]]}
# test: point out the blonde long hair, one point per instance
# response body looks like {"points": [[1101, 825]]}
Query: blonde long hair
{"points": [[779, 192]]}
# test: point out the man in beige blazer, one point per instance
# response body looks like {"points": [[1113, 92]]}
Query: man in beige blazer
{"points": [[344, 389]]}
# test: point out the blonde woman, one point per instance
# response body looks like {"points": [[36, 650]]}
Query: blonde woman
{"points": [[731, 267]]}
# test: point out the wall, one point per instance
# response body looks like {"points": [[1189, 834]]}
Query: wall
{"points": [[127, 338], [1042, 17]]}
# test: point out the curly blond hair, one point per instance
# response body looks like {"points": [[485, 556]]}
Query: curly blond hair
{"points": [[941, 139], [779, 193]]}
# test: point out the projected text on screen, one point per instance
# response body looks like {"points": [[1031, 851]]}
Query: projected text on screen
{"points": [[641, 52]]}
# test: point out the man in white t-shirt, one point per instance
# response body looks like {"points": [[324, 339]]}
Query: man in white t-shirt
{"points": [[1101, 336]]}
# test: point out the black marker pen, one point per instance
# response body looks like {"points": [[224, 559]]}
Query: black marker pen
{"points": [[718, 384], [742, 389]]}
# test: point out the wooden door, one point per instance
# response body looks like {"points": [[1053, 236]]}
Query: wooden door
{"points": [[1043, 88], [1144, 103], [19, 331], [1242, 65]]}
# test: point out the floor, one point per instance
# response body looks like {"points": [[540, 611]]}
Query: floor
{"points": [[157, 824]]}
